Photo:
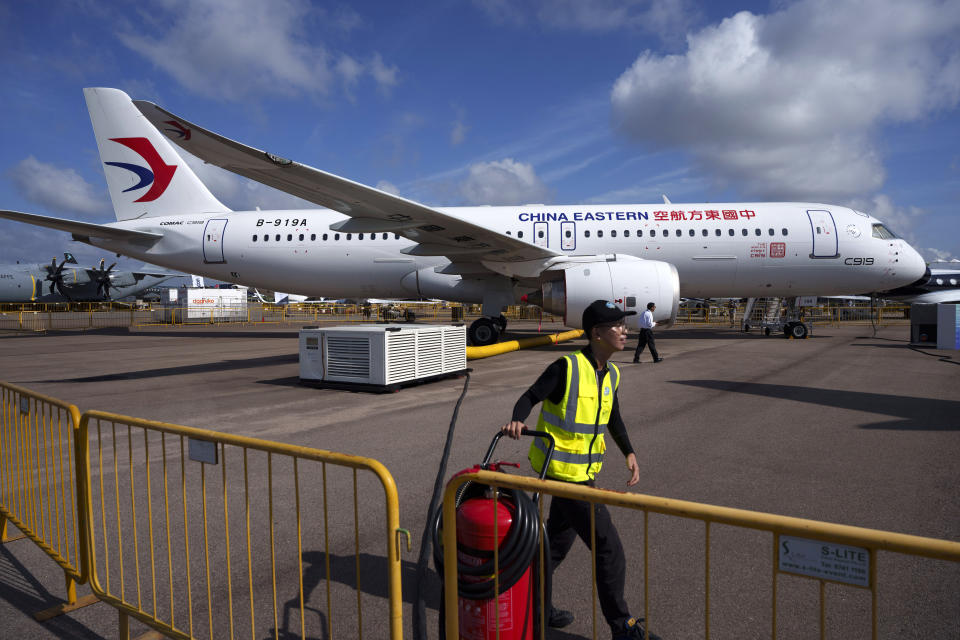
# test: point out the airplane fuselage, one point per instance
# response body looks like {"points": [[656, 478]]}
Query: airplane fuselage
{"points": [[719, 250], [29, 283]]}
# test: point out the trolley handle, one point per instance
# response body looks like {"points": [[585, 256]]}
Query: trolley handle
{"points": [[551, 445]]}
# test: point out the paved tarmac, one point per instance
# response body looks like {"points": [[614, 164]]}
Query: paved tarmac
{"points": [[845, 427]]}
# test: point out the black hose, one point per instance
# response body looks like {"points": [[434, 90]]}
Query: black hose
{"points": [[515, 554], [518, 549], [423, 563]]}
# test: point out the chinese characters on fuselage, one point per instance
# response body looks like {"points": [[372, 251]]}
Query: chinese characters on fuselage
{"points": [[656, 216]]}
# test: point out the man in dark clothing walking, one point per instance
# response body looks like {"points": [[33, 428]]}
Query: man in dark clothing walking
{"points": [[646, 335]]}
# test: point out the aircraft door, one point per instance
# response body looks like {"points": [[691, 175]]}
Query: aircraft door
{"points": [[540, 235], [213, 241], [568, 236], [824, 231]]}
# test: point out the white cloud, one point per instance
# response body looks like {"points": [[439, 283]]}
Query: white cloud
{"points": [[654, 187], [36, 245], [503, 182], [350, 70], [239, 193], [938, 255], [344, 18], [459, 131], [234, 48], [385, 75], [787, 105], [143, 89], [655, 16], [389, 187], [576, 165], [901, 220], [661, 17], [502, 11], [61, 190]]}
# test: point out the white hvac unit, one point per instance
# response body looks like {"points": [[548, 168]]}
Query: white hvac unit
{"points": [[381, 355]]}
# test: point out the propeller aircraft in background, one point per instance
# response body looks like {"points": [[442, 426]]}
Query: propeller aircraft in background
{"points": [[69, 282]]}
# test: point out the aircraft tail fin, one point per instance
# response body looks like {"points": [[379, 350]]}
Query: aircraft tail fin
{"points": [[146, 177]]}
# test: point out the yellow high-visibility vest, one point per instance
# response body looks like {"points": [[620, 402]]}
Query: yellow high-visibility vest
{"points": [[577, 423]]}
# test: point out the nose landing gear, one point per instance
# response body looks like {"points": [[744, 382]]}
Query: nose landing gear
{"points": [[796, 330], [486, 331], [483, 332]]}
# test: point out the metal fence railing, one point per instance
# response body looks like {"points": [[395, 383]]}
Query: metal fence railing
{"points": [[38, 483], [201, 534], [40, 318], [828, 554], [705, 314], [719, 314]]}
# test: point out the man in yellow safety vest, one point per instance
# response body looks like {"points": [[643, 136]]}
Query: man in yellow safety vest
{"points": [[579, 396]]}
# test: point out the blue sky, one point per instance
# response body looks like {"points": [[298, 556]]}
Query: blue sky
{"points": [[847, 102]]}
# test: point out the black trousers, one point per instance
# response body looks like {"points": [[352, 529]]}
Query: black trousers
{"points": [[646, 339], [570, 519]]}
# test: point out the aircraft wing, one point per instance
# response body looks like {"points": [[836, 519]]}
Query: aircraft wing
{"points": [[152, 270], [370, 210], [138, 274], [84, 229]]}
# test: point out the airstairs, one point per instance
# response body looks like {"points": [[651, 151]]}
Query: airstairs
{"points": [[774, 315], [761, 312]]}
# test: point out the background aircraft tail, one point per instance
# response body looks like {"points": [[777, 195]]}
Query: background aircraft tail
{"points": [[145, 175]]}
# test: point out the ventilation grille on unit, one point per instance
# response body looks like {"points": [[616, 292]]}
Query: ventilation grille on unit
{"points": [[401, 357], [454, 349], [429, 354], [348, 357]]}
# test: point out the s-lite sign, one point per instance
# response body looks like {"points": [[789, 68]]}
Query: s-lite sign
{"points": [[825, 560]]}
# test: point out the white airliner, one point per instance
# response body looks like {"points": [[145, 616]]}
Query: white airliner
{"points": [[940, 286], [368, 243]]}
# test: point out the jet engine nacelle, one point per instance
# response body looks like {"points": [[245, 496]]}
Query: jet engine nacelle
{"points": [[427, 283], [627, 281]]}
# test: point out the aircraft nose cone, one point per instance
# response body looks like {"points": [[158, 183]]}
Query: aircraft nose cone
{"points": [[914, 266]]}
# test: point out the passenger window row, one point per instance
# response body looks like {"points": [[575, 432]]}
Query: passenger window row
{"points": [[324, 237], [679, 233], [567, 233]]}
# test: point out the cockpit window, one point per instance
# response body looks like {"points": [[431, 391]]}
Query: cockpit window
{"points": [[880, 231]]}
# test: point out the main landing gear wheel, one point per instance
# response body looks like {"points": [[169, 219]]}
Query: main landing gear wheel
{"points": [[796, 330], [483, 332], [502, 322]]}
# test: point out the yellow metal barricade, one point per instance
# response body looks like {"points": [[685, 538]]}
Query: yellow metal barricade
{"points": [[852, 551], [38, 482], [200, 534]]}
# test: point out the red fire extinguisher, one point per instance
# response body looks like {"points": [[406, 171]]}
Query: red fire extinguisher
{"points": [[511, 525]]}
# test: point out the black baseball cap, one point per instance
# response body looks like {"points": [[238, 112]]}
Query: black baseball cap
{"points": [[601, 312]]}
